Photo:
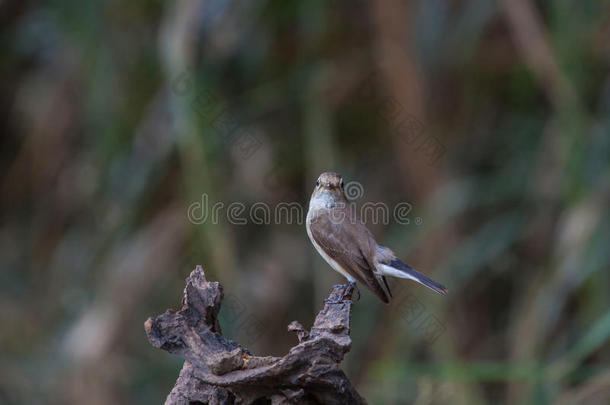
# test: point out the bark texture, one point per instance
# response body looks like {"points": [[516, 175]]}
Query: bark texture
{"points": [[219, 371]]}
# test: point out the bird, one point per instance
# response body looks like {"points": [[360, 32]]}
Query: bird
{"points": [[347, 245]]}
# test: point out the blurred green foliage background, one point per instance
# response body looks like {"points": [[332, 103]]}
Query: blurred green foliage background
{"points": [[492, 119]]}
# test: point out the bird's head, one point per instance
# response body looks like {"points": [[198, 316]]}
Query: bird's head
{"points": [[329, 186]]}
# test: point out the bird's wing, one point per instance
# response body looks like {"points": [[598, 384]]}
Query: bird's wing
{"points": [[352, 246]]}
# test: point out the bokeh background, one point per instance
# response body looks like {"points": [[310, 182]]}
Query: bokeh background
{"points": [[492, 119]]}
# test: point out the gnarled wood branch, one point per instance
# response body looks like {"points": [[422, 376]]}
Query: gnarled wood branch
{"points": [[219, 371]]}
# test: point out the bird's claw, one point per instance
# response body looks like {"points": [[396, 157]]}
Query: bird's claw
{"points": [[355, 287], [347, 292]]}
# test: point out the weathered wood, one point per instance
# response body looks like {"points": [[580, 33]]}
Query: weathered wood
{"points": [[219, 371]]}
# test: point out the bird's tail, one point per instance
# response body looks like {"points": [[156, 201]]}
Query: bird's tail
{"points": [[397, 268]]}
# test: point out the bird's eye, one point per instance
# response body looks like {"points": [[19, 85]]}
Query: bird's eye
{"points": [[317, 183]]}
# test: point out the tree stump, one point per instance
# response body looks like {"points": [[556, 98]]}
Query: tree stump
{"points": [[220, 371]]}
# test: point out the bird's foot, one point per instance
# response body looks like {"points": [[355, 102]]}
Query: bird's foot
{"points": [[353, 285], [348, 289]]}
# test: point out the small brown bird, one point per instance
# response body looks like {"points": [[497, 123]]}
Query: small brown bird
{"points": [[348, 246]]}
